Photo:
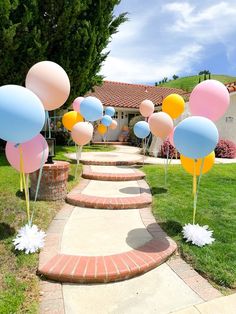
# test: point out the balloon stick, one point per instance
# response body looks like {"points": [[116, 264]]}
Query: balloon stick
{"points": [[78, 156], [166, 164], [196, 186], [38, 184]]}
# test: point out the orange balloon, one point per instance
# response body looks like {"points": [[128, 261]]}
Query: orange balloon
{"points": [[188, 164], [113, 125], [50, 83], [174, 105], [160, 124], [102, 129], [146, 108], [70, 119], [82, 133]]}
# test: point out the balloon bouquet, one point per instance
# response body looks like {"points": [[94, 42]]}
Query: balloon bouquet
{"points": [[79, 121], [196, 138], [159, 123], [22, 117], [141, 128], [107, 122]]}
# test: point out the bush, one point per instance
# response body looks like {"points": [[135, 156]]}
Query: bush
{"points": [[225, 149], [134, 140], [164, 150], [62, 137]]}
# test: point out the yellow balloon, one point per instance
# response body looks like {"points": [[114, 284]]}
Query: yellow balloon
{"points": [[188, 164], [102, 129], [71, 118], [174, 105]]}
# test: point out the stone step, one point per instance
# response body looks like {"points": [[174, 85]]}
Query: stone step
{"points": [[110, 268], [113, 173]]}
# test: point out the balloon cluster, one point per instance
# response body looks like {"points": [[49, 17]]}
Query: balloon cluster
{"points": [[197, 136], [22, 117], [22, 113], [87, 110]]}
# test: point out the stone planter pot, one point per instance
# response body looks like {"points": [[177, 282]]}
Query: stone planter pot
{"points": [[53, 181]]}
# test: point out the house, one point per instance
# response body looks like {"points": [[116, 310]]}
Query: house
{"points": [[126, 98]]}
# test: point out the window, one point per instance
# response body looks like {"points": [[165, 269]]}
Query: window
{"points": [[116, 115], [122, 115]]}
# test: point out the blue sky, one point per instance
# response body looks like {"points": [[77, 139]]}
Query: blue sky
{"points": [[163, 38]]}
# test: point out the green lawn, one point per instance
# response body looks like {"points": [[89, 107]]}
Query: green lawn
{"points": [[172, 208], [62, 150], [19, 289], [189, 82]]}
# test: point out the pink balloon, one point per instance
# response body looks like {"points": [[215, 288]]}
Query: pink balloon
{"points": [[160, 124], [209, 99], [113, 125], [171, 137], [32, 151], [76, 103], [49, 81], [82, 133], [146, 108]]}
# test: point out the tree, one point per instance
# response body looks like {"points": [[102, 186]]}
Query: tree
{"points": [[175, 77], [72, 33]]}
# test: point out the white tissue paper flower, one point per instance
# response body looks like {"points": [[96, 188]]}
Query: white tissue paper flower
{"points": [[30, 239], [198, 235]]}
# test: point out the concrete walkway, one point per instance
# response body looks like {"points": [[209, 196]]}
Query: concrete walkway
{"points": [[106, 260], [127, 154]]}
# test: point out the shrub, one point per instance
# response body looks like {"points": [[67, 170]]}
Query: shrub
{"points": [[164, 150], [225, 149], [132, 137]]}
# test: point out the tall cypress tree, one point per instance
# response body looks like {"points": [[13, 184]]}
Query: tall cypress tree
{"points": [[72, 33]]}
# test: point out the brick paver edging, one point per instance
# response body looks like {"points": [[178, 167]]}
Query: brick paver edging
{"points": [[76, 198], [103, 176], [95, 269], [110, 163]]}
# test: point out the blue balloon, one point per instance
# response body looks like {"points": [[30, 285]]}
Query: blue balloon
{"points": [[22, 114], [110, 111], [196, 137], [106, 120], [91, 108], [141, 129]]}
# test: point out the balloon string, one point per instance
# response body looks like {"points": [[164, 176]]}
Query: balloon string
{"points": [[24, 184], [38, 182], [197, 190], [21, 182]]}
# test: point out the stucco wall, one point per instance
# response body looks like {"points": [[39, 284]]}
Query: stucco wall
{"points": [[227, 124]]}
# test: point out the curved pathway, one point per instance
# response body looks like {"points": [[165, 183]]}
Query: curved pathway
{"points": [[92, 241]]}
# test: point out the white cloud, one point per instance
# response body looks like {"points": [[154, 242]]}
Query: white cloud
{"points": [[160, 40], [139, 70]]}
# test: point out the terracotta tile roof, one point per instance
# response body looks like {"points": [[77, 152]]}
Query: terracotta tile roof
{"points": [[127, 95]]}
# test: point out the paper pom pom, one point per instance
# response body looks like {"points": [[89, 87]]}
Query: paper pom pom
{"points": [[198, 235], [30, 239]]}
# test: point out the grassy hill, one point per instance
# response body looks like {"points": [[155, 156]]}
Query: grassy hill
{"points": [[189, 82]]}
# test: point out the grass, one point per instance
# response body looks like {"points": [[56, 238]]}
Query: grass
{"points": [[189, 82], [62, 150], [19, 285], [172, 208]]}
